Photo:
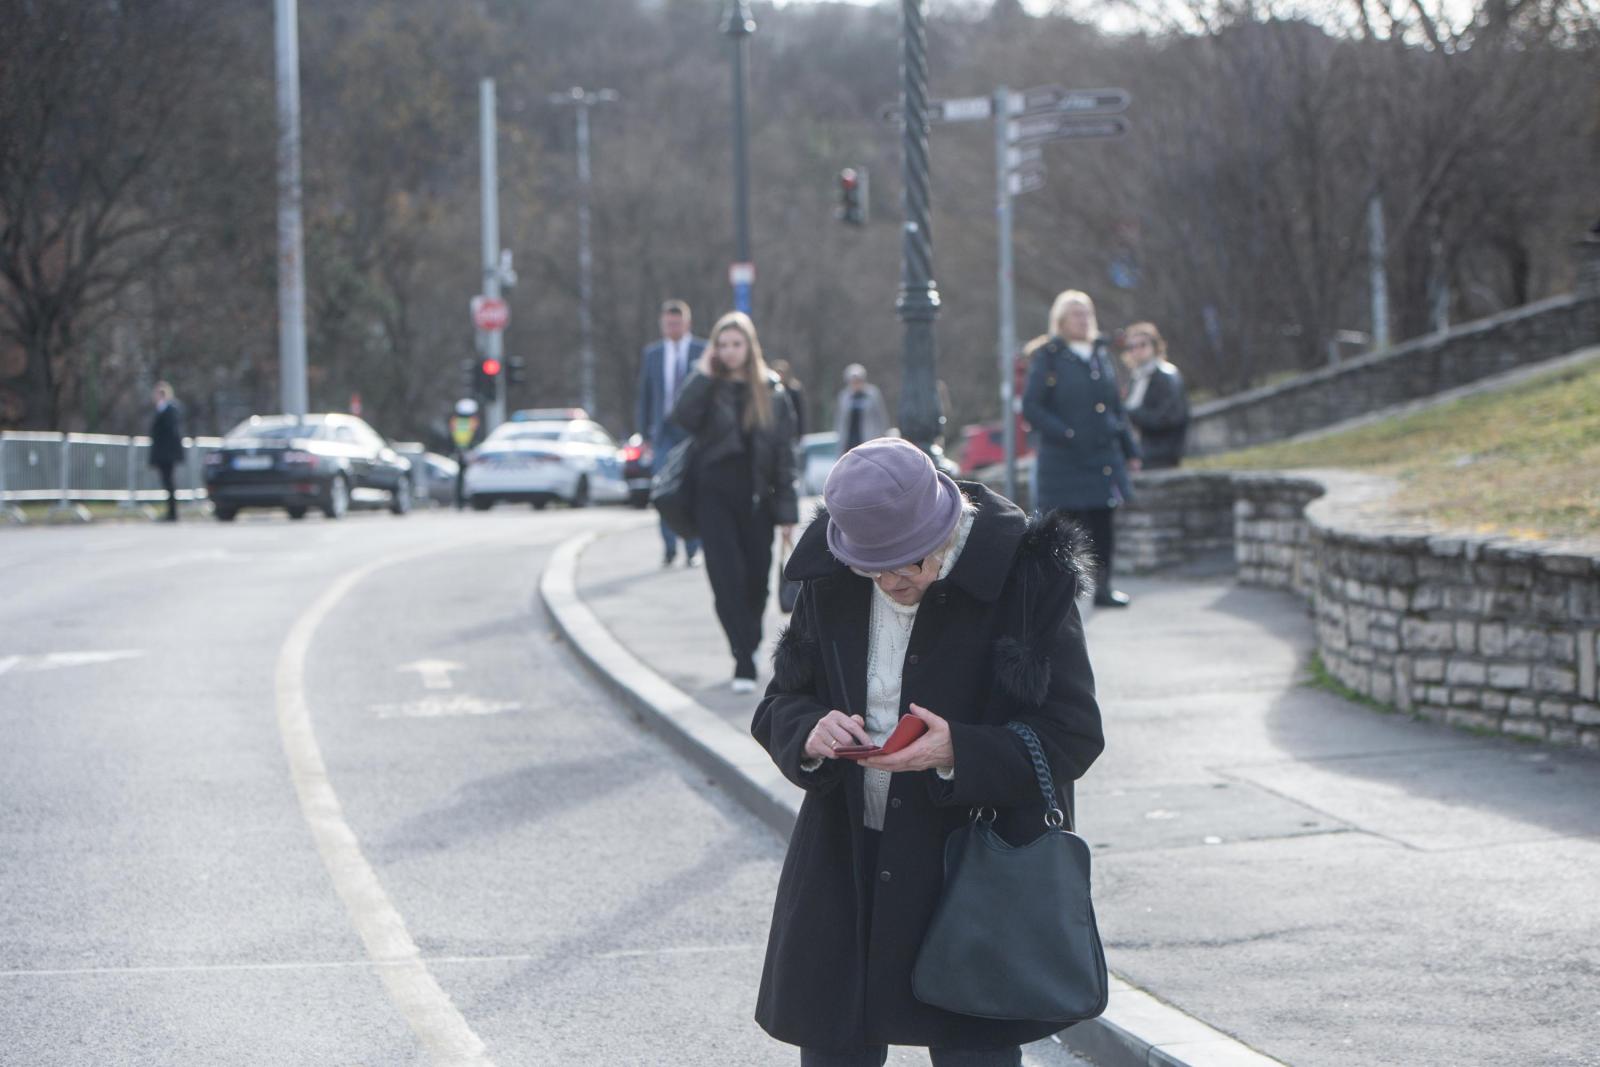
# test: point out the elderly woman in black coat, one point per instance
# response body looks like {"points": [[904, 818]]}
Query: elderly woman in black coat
{"points": [[1085, 448], [943, 601]]}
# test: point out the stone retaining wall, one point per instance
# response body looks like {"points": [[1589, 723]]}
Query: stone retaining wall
{"points": [[1416, 369], [1487, 633]]}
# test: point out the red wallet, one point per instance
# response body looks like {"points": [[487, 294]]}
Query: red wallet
{"points": [[907, 730]]}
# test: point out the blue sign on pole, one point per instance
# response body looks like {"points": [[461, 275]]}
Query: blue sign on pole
{"points": [[743, 278]]}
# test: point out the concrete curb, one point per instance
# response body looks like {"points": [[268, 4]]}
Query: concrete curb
{"points": [[1137, 1030]]}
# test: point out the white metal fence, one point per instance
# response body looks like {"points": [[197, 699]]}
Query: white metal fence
{"points": [[79, 468]]}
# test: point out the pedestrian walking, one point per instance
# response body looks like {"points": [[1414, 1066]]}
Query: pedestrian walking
{"points": [[1085, 448], [166, 443], [743, 477], [663, 368], [941, 600], [860, 414], [1157, 403], [797, 394]]}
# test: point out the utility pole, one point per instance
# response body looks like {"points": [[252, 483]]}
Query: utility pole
{"points": [[291, 245], [489, 167], [918, 301], [582, 100], [1378, 252], [1008, 310], [739, 26]]}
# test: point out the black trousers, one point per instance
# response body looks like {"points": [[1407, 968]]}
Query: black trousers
{"points": [[171, 486], [736, 537], [1099, 525], [876, 1055]]}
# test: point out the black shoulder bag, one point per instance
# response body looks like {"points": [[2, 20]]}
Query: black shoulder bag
{"points": [[1014, 935], [672, 489]]}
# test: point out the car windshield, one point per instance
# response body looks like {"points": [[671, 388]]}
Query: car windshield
{"points": [[273, 431], [522, 431]]}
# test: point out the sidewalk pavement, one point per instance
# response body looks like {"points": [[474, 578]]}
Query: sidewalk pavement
{"points": [[1329, 884]]}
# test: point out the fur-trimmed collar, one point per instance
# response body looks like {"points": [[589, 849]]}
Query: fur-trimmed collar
{"points": [[999, 533]]}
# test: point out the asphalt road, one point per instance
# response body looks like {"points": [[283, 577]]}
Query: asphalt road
{"points": [[330, 793]]}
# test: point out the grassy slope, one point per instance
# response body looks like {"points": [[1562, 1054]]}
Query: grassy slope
{"points": [[1524, 461]]}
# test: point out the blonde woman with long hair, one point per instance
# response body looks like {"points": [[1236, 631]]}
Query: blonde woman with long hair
{"points": [[743, 476], [1085, 448]]}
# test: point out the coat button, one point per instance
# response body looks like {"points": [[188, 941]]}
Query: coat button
{"points": [[1100, 408], [941, 598], [912, 658], [895, 803], [1106, 471], [1071, 434], [1094, 376], [883, 876]]}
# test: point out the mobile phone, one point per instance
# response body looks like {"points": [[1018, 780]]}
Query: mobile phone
{"points": [[907, 730]]}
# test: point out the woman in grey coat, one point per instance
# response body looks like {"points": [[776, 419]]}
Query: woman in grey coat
{"points": [[1085, 449]]}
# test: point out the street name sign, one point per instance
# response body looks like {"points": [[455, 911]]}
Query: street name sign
{"points": [[1056, 98], [1025, 181], [959, 109], [1037, 129], [490, 314], [1021, 156]]}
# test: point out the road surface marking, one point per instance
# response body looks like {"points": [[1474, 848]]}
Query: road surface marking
{"points": [[427, 1008], [435, 672], [457, 704], [52, 660]]}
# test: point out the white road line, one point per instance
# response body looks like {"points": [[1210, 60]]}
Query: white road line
{"points": [[325, 965], [435, 672], [427, 1008]]}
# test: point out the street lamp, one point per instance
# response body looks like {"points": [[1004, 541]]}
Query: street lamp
{"points": [[918, 301], [739, 25], [581, 100]]}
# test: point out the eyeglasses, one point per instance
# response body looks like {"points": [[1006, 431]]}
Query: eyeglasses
{"points": [[910, 570], [1141, 342]]}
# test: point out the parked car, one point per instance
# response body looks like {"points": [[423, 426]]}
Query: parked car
{"points": [[440, 475], [818, 453], [547, 415], [983, 444], [331, 462], [638, 464], [537, 460]]}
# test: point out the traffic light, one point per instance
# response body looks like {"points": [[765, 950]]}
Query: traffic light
{"points": [[489, 370], [852, 209], [516, 370]]}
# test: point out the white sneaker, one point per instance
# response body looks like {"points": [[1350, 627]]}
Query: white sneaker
{"points": [[743, 685]]}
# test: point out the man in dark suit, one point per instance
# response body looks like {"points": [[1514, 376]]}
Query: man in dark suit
{"points": [[662, 369], [166, 443]]}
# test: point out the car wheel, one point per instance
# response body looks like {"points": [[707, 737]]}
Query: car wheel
{"points": [[482, 503], [226, 514], [338, 501], [400, 499], [297, 512], [538, 503], [580, 495]]}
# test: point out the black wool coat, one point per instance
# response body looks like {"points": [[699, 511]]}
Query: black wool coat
{"points": [[712, 410], [999, 639], [1162, 419], [166, 437], [1080, 429]]}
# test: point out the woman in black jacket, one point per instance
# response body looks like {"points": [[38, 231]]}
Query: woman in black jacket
{"points": [[937, 599], [743, 427], [1157, 403]]}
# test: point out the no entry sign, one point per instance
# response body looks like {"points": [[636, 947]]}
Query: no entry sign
{"points": [[490, 314]]}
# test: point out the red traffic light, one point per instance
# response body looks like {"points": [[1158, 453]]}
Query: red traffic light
{"points": [[491, 367], [848, 178]]}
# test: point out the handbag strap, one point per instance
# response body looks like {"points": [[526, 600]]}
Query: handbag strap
{"points": [[1054, 817]]}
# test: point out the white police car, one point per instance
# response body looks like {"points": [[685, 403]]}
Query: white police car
{"points": [[539, 456]]}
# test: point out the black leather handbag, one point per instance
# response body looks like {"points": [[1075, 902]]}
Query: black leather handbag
{"points": [[672, 489], [1014, 935]]}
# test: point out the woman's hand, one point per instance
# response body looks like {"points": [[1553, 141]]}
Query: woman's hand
{"points": [[835, 729], [706, 363], [787, 530], [1136, 465], [933, 749]]}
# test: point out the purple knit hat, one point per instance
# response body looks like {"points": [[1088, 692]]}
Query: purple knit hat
{"points": [[888, 506]]}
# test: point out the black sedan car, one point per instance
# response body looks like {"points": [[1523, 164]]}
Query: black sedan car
{"points": [[329, 462]]}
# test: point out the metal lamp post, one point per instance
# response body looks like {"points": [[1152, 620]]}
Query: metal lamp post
{"points": [[918, 302], [582, 100], [291, 250], [739, 26]]}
